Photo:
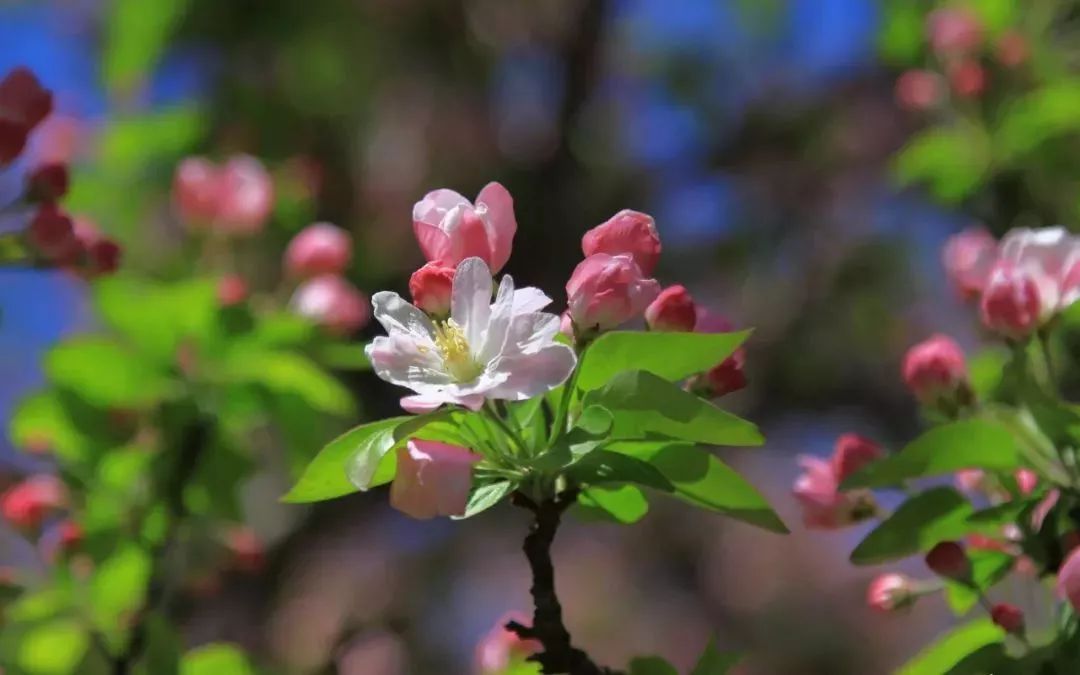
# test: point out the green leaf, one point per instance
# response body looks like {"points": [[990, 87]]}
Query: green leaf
{"points": [[604, 466], [344, 357], [624, 503], [137, 34], [486, 496], [651, 665], [117, 591], [901, 35], [161, 655], [156, 317], [922, 521], [968, 444], [595, 420], [42, 420], [40, 604], [105, 374], [645, 406], [54, 648], [952, 161], [216, 659], [1038, 117], [704, 481], [672, 356], [953, 647], [987, 568], [715, 662], [284, 372]]}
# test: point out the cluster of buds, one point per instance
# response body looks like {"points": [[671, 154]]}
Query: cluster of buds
{"points": [[824, 505], [961, 48], [318, 257], [51, 237], [233, 200]]}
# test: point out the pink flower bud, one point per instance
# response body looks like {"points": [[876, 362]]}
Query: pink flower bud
{"points": [[52, 235], [1068, 583], [246, 551], [947, 559], [47, 183], [968, 79], [333, 303], [853, 452], [26, 504], [432, 479], [566, 325], [500, 647], [919, 90], [232, 290], [672, 310], [824, 507], [626, 233], [450, 229], [970, 480], [246, 196], [1009, 617], [431, 287], [101, 254], [1010, 305], [320, 248], [935, 368], [605, 291], [196, 191], [1012, 49], [1026, 480], [24, 103], [724, 378], [890, 592], [968, 257], [953, 32]]}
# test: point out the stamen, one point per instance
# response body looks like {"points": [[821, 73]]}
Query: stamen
{"points": [[454, 348]]}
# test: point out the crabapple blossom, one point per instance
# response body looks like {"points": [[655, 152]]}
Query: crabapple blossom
{"points": [[24, 103], [889, 592], [504, 349], [26, 504], [672, 310], [333, 303], [232, 289], [953, 31], [246, 196], [1051, 256], [432, 479], [824, 506], [627, 232], [449, 228], [1010, 303], [320, 248], [853, 452], [969, 256], [967, 77], [431, 288], [195, 191], [935, 368], [606, 291]]}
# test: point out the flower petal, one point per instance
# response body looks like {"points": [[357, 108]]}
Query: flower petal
{"points": [[470, 302], [530, 332], [496, 206], [502, 313], [530, 299], [396, 315], [530, 375], [406, 361], [435, 204]]}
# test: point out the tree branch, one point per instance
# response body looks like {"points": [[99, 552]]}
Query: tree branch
{"points": [[558, 655]]}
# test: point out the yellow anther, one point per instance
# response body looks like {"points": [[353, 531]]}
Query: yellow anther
{"points": [[454, 348]]}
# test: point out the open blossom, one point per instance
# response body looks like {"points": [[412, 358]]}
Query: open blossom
{"points": [[1010, 303], [1051, 256], [627, 232], [889, 592], [320, 248], [504, 349], [332, 302], [608, 290], [449, 228], [969, 256], [672, 310], [499, 647], [432, 479], [935, 368], [824, 506]]}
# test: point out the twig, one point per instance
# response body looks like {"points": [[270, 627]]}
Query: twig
{"points": [[558, 655]]}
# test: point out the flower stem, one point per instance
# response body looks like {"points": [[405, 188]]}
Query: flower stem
{"points": [[558, 654], [558, 427], [514, 437]]}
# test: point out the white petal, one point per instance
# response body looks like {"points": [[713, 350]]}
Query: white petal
{"points": [[396, 315], [435, 204], [502, 313], [470, 301], [533, 374], [531, 332], [418, 404], [530, 299], [406, 361]]}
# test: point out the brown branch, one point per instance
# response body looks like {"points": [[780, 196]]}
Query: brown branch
{"points": [[558, 654]]}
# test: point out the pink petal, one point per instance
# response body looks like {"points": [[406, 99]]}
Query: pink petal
{"points": [[499, 207]]}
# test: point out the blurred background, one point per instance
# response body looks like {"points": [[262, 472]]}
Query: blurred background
{"points": [[796, 187]]}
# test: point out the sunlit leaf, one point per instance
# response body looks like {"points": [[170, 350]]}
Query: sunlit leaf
{"points": [[715, 662], [486, 496], [622, 503], [117, 591], [137, 34], [54, 648], [952, 647], [952, 161], [105, 374], [216, 659], [285, 372], [672, 356]]}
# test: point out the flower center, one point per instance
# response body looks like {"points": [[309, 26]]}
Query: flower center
{"points": [[453, 347]]}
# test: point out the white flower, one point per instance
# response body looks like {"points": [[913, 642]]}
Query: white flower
{"points": [[1051, 256], [504, 349]]}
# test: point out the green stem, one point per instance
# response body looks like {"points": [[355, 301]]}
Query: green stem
{"points": [[1048, 360], [504, 427], [558, 428]]}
